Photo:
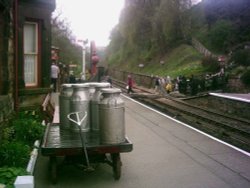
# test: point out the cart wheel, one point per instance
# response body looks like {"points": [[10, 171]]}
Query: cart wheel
{"points": [[116, 164], [53, 170]]}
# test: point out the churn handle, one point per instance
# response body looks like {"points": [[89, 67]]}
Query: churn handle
{"points": [[78, 122]]}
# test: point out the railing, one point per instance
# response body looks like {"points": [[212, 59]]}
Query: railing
{"points": [[139, 79], [202, 49], [47, 108]]}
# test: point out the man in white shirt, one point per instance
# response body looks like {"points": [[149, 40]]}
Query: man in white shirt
{"points": [[54, 75]]}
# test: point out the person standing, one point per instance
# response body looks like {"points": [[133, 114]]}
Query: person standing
{"points": [[54, 75], [72, 78], [109, 80], [130, 84], [157, 84]]}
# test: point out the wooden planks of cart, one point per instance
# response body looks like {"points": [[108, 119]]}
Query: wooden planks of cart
{"points": [[67, 144]]}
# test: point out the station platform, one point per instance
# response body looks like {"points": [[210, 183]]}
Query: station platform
{"points": [[166, 153], [202, 155], [233, 96]]}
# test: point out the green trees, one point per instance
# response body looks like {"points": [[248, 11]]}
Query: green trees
{"points": [[147, 28], [225, 24], [62, 37]]}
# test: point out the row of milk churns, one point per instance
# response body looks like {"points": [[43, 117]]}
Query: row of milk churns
{"points": [[104, 108]]}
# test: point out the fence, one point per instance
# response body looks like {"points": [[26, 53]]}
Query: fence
{"points": [[202, 49], [140, 79]]}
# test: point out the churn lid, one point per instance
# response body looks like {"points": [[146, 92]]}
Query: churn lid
{"points": [[111, 90], [84, 85]]}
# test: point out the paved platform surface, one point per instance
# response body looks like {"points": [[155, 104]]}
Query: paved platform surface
{"points": [[166, 153]]}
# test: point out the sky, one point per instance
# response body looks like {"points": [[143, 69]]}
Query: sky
{"points": [[91, 19]]}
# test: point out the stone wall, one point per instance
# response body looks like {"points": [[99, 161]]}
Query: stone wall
{"points": [[139, 79], [235, 85], [1, 49], [6, 51], [223, 105], [6, 106], [227, 106]]}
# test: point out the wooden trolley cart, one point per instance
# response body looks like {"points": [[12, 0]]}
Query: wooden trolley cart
{"points": [[58, 142]]}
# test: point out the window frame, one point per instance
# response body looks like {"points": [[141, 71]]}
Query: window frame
{"points": [[35, 54]]}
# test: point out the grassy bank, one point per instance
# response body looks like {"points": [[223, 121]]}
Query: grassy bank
{"points": [[183, 60]]}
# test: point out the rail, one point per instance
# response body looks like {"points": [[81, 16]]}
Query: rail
{"points": [[229, 128]]}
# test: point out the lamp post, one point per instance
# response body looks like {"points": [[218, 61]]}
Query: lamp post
{"points": [[83, 61], [94, 58], [83, 42]]}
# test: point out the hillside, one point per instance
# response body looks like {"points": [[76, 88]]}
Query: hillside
{"points": [[150, 32], [183, 59], [221, 24]]}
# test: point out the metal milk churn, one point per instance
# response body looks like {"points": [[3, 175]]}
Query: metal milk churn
{"points": [[79, 103], [64, 105], [111, 117], [92, 86], [94, 109]]}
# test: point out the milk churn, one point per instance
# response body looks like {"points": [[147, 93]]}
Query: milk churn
{"points": [[111, 117], [79, 102], [92, 86], [94, 110], [64, 105]]}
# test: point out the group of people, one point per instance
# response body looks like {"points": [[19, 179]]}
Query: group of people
{"points": [[191, 85], [181, 84], [55, 74], [160, 84], [163, 84]]}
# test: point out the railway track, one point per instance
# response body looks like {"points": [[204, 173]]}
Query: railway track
{"points": [[231, 129]]}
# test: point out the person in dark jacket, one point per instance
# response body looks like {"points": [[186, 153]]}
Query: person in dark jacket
{"points": [[157, 84], [109, 80], [72, 78]]}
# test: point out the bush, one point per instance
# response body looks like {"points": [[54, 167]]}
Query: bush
{"points": [[238, 70], [30, 114], [27, 130], [241, 57], [8, 134], [211, 64], [220, 32], [8, 175], [15, 149], [14, 154], [245, 78], [18, 138]]}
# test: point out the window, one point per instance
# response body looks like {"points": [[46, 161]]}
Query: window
{"points": [[30, 53]]}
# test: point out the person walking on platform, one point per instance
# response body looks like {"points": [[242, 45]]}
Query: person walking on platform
{"points": [[54, 75], [130, 84]]}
